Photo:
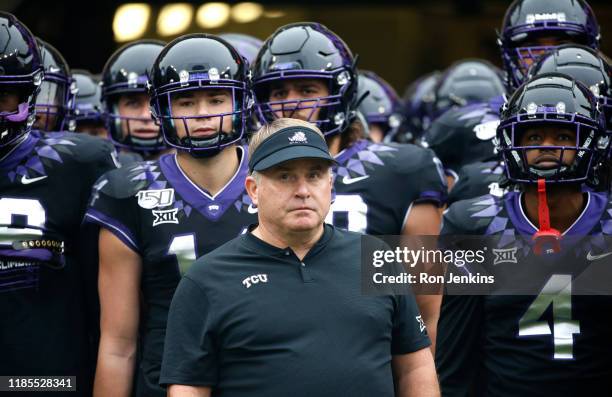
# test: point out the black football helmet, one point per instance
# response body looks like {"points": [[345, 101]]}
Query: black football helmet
{"points": [[87, 104], [465, 82], [55, 101], [21, 74], [307, 50], [127, 72], [585, 65], [527, 21], [558, 100], [200, 62], [247, 46], [418, 97], [380, 105]]}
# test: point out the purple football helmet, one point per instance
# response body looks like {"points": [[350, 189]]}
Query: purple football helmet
{"points": [[247, 46], [127, 72], [465, 82], [382, 105], [553, 99], [55, 101], [584, 65], [21, 76], [307, 50], [417, 99], [528, 21], [197, 62]]}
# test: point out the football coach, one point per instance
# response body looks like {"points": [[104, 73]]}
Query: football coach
{"points": [[278, 311]]}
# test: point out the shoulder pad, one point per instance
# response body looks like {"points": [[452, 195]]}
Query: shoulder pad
{"points": [[127, 181], [472, 216], [82, 147]]}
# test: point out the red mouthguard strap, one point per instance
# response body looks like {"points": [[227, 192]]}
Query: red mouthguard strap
{"points": [[545, 236]]}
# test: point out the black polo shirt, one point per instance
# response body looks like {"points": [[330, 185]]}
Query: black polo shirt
{"points": [[252, 319]]}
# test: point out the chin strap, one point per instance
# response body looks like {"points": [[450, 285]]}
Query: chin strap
{"points": [[546, 239]]}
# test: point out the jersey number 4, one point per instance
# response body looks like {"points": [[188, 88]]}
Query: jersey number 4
{"points": [[558, 293]]}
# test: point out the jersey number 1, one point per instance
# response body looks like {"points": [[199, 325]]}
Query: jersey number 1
{"points": [[558, 292], [184, 249]]}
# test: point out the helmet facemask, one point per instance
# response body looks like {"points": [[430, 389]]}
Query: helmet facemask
{"points": [[55, 104], [587, 149], [186, 128], [133, 132], [331, 118], [17, 121]]}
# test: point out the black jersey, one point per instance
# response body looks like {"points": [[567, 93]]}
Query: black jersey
{"points": [[127, 158], [464, 135], [552, 344], [478, 179], [155, 209], [376, 185], [45, 183]]}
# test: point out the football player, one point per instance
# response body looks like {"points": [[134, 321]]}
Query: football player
{"points": [[577, 61], [530, 29], [46, 289], [55, 101], [88, 107], [457, 97], [416, 100], [126, 101], [549, 342], [381, 107], [157, 217], [307, 72]]}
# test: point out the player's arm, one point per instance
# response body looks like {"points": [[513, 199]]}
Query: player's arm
{"points": [[412, 362], [415, 374], [119, 286], [188, 391], [424, 220]]}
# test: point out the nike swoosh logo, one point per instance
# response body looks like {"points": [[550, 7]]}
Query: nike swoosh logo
{"points": [[26, 181], [251, 209], [347, 180], [591, 257]]}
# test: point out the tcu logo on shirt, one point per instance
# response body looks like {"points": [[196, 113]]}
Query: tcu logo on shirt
{"points": [[255, 279]]}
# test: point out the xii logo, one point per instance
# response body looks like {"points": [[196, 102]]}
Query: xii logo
{"points": [[165, 216], [507, 255]]}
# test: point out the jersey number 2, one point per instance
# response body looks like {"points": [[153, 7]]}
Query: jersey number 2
{"points": [[33, 212]]}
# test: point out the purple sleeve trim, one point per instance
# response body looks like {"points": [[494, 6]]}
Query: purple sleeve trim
{"points": [[431, 195], [115, 227]]}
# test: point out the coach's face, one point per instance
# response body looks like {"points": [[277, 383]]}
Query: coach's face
{"points": [[293, 196]]}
